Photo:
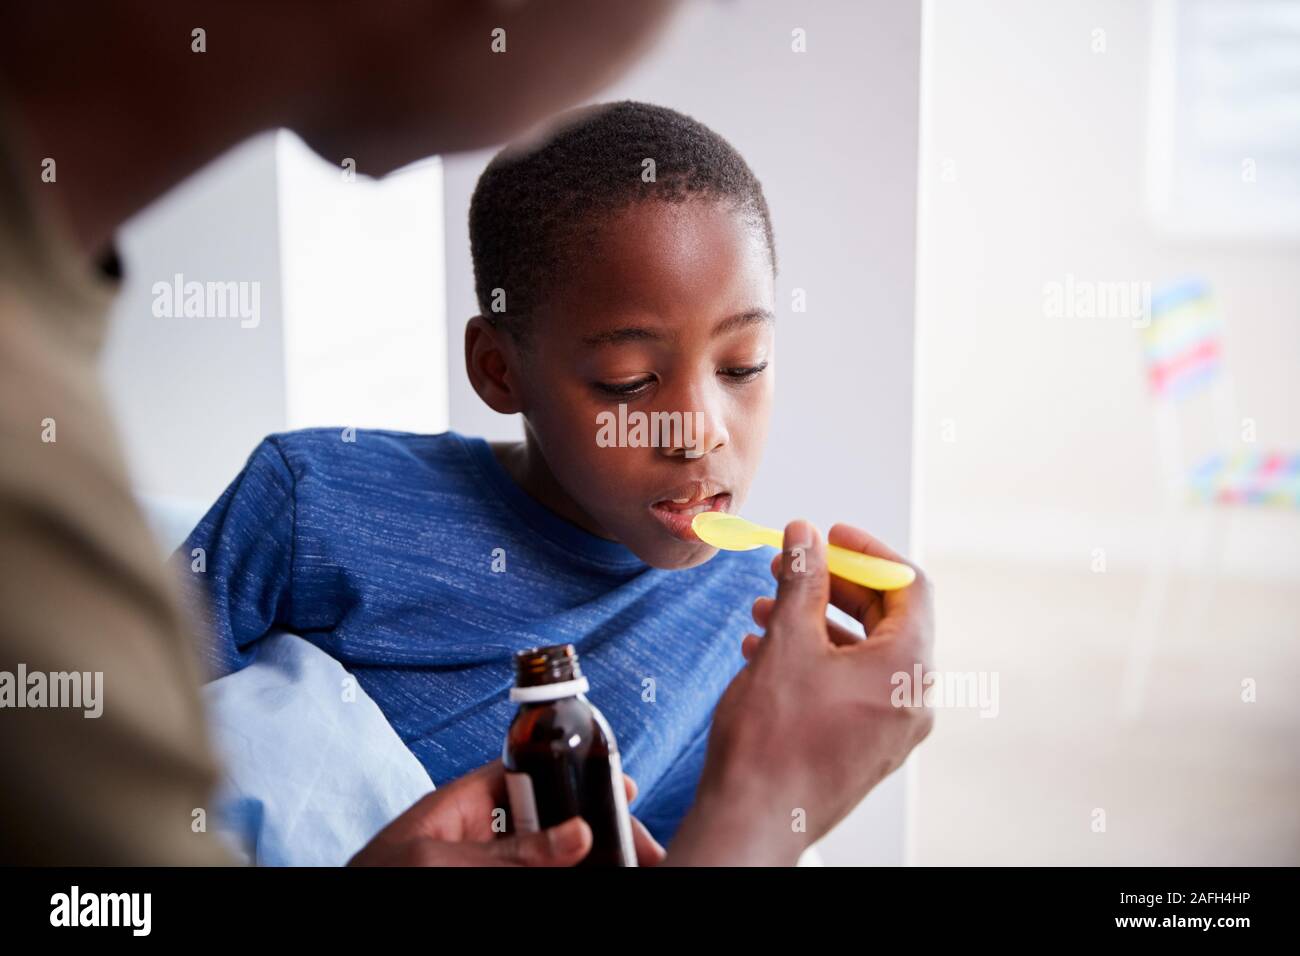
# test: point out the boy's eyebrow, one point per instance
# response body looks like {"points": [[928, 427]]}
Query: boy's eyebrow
{"points": [[742, 319], [641, 333]]}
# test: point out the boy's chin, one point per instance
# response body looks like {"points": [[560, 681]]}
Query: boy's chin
{"points": [[677, 555]]}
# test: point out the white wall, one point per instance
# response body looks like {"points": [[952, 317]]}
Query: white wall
{"points": [[832, 134], [350, 329], [1034, 168], [364, 298], [193, 396]]}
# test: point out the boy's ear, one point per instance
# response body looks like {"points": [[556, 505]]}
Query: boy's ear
{"points": [[492, 362]]}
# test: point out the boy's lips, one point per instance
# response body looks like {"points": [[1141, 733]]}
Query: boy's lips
{"points": [[676, 509]]}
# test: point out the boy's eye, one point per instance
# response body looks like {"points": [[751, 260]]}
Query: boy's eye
{"points": [[744, 373], [738, 375], [624, 389]]}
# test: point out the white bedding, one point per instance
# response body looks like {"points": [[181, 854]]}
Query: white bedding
{"points": [[312, 768]]}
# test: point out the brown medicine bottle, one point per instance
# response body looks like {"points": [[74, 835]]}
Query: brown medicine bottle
{"points": [[561, 758]]}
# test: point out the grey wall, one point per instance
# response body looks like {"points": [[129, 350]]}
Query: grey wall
{"points": [[351, 327], [832, 133], [192, 397]]}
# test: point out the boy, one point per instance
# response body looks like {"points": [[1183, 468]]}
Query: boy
{"points": [[627, 260]]}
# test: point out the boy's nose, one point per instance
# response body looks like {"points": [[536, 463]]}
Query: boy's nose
{"points": [[702, 433]]}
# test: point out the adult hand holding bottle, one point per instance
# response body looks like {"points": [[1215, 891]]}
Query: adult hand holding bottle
{"points": [[455, 826], [808, 727]]}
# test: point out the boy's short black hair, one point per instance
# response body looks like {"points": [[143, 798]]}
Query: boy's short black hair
{"points": [[534, 205]]}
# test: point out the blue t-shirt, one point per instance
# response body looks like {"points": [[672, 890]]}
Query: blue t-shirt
{"points": [[420, 564]]}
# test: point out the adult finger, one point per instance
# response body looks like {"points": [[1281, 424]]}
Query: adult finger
{"points": [[859, 602], [802, 589], [561, 845], [649, 852], [762, 614], [849, 536]]}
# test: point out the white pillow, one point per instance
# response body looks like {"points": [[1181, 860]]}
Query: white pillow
{"points": [[312, 767]]}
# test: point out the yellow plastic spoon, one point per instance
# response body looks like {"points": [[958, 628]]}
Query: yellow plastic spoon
{"points": [[734, 533]]}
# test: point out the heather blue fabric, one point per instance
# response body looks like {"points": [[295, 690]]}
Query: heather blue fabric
{"points": [[380, 551]]}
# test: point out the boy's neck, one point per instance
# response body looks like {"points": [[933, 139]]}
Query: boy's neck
{"points": [[524, 462]]}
